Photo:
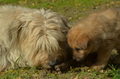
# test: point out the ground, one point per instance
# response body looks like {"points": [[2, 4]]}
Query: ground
{"points": [[74, 10]]}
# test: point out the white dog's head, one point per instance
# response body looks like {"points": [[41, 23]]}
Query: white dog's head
{"points": [[40, 35]]}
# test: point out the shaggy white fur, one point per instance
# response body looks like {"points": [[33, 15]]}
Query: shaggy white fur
{"points": [[31, 37]]}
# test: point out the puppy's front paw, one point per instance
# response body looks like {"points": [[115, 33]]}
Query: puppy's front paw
{"points": [[98, 67]]}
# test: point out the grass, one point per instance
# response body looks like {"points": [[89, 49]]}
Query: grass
{"points": [[74, 10], [76, 73]]}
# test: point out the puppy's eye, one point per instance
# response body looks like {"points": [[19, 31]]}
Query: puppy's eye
{"points": [[77, 49]]}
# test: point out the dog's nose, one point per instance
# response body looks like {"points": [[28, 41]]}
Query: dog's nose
{"points": [[53, 63]]}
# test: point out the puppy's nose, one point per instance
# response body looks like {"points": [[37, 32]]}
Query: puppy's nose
{"points": [[53, 63], [74, 58]]}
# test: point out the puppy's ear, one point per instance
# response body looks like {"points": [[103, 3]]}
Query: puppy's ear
{"points": [[14, 31], [83, 40]]}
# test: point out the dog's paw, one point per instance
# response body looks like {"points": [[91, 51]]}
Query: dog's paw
{"points": [[98, 67], [60, 67]]}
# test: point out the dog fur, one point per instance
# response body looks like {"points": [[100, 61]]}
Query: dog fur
{"points": [[31, 37], [99, 32]]}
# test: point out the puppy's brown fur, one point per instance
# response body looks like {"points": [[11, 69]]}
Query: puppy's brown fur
{"points": [[99, 32]]}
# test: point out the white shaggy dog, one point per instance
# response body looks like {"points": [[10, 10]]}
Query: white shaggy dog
{"points": [[31, 37]]}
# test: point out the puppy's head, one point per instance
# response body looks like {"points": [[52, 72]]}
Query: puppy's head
{"points": [[80, 43]]}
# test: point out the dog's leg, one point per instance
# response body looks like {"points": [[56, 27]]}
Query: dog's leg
{"points": [[4, 62], [116, 60], [67, 63], [103, 56]]}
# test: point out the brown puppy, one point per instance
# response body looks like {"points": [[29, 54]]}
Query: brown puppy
{"points": [[99, 32]]}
